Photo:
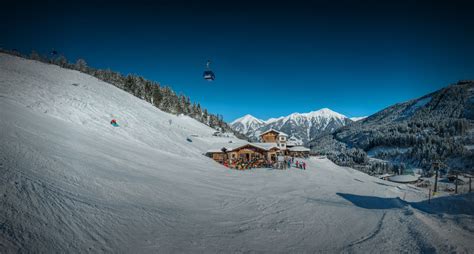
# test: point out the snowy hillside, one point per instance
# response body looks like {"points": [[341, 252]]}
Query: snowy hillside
{"points": [[88, 103], [72, 183], [437, 126], [302, 126]]}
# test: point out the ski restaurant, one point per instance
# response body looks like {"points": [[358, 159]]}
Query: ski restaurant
{"points": [[274, 147]]}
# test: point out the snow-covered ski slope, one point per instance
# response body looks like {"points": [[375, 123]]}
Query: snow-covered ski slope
{"points": [[70, 182]]}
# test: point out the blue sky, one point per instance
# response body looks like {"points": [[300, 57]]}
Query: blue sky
{"points": [[270, 60]]}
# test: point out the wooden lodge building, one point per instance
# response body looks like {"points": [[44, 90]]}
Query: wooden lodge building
{"points": [[273, 144]]}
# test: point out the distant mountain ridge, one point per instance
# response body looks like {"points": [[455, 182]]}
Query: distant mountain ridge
{"points": [[436, 127], [300, 126]]}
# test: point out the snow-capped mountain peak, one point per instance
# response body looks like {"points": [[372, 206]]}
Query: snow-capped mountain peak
{"points": [[247, 123], [247, 119], [321, 113], [325, 112], [302, 126]]}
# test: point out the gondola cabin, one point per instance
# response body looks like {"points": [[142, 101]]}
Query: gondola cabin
{"points": [[209, 76], [208, 73]]}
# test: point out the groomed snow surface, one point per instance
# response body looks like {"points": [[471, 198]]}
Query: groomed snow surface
{"points": [[70, 182]]}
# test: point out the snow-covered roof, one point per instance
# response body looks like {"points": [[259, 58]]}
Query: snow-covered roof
{"points": [[228, 146], [299, 149], [270, 130], [234, 146], [265, 146], [280, 133], [214, 150], [403, 178]]}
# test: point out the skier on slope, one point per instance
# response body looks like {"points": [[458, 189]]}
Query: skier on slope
{"points": [[114, 123]]}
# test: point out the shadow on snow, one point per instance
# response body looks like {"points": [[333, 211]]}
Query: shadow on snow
{"points": [[456, 205]]}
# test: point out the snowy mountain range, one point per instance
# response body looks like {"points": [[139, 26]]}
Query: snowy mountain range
{"points": [[300, 126]]}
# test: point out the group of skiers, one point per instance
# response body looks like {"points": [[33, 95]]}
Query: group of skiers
{"points": [[298, 164], [287, 162]]}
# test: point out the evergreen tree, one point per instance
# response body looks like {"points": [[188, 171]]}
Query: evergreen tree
{"points": [[205, 116], [157, 96], [148, 91], [81, 65], [35, 56], [61, 61], [129, 84]]}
